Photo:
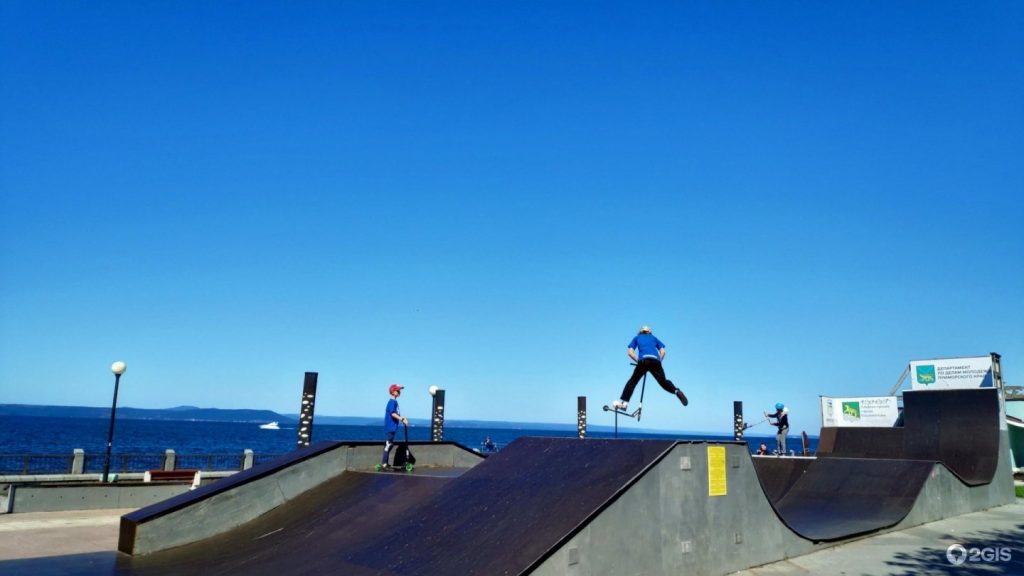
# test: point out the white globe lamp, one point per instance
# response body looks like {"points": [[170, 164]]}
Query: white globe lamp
{"points": [[118, 369]]}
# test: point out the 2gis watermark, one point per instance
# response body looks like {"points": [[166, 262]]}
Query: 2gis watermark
{"points": [[958, 554]]}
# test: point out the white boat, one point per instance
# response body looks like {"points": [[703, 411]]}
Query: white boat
{"points": [[270, 426]]}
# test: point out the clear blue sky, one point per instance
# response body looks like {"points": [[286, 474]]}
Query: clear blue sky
{"points": [[799, 197]]}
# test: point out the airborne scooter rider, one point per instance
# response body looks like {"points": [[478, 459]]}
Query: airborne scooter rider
{"points": [[647, 352]]}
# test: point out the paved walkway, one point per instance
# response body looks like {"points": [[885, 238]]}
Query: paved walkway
{"points": [[920, 550], [41, 534], [994, 540]]}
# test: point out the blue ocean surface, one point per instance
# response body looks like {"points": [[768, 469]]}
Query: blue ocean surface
{"points": [[60, 436]]}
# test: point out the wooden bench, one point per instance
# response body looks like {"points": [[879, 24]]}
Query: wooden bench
{"points": [[173, 476]]}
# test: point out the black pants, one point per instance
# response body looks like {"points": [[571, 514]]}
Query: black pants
{"points": [[644, 366]]}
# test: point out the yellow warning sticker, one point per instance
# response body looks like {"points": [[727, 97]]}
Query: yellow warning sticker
{"points": [[716, 471]]}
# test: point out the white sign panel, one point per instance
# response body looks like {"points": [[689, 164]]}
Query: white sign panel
{"points": [[948, 373], [878, 412]]}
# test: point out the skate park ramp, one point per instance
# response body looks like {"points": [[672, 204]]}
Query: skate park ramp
{"points": [[959, 428], [778, 475], [229, 503], [868, 479], [353, 510], [831, 499], [842, 497], [500, 517], [566, 506]]}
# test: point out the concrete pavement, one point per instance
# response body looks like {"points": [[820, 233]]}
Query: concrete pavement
{"points": [[993, 541], [44, 534]]}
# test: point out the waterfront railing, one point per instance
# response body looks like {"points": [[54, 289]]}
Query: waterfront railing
{"points": [[80, 462]]}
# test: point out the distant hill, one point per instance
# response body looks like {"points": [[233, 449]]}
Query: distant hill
{"points": [[127, 413]]}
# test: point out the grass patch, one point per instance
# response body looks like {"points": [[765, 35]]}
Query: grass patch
{"points": [[1020, 491]]}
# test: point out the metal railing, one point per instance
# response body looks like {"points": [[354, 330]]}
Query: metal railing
{"points": [[92, 463], [121, 463], [210, 462], [25, 464]]}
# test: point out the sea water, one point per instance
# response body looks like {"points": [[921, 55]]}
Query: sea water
{"points": [[30, 435]]}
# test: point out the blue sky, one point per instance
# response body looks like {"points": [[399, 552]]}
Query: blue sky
{"points": [[492, 197]]}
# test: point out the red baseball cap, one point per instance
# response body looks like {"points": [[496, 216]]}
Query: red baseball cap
{"points": [[393, 387]]}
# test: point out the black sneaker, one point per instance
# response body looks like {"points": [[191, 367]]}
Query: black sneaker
{"points": [[682, 397]]}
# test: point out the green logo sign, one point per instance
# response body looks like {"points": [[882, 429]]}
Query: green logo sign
{"points": [[851, 409], [926, 374]]}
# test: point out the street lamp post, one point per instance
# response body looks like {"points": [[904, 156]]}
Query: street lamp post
{"points": [[117, 368]]}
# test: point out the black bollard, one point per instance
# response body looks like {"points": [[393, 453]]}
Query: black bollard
{"points": [[437, 417], [306, 410], [581, 416], [737, 420]]}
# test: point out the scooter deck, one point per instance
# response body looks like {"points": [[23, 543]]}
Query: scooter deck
{"points": [[634, 414]]}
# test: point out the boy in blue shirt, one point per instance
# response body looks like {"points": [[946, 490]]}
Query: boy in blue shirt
{"points": [[391, 420], [648, 352]]}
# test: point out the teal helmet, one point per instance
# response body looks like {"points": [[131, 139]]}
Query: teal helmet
{"points": [[779, 405]]}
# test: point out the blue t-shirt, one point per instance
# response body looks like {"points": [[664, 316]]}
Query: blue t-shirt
{"points": [[646, 346], [390, 424]]}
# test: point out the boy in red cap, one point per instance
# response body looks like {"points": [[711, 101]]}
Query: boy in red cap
{"points": [[391, 420]]}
